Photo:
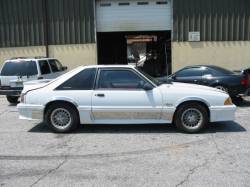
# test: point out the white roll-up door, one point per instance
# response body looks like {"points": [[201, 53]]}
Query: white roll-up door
{"points": [[132, 15]]}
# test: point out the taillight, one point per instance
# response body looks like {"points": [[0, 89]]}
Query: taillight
{"points": [[22, 98], [228, 101], [244, 82]]}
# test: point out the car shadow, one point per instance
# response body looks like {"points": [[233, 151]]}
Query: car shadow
{"points": [[13, 104], [145, 128], [243, 103]]}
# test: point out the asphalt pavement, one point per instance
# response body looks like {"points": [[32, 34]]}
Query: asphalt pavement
{"points": [[124, 155]]}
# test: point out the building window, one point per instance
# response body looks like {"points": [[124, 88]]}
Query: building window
{"points": [[105, 4], [124, 4], [161, 2], [142, 3]]}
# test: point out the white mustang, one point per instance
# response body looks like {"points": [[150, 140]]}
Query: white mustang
{"points": [[121, 95]]}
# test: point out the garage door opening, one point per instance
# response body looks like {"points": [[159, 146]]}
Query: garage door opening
{"points": [[149, 50], [135, 32]]}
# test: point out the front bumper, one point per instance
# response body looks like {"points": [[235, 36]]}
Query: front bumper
{"points": [[222, 113], [30, 112]]}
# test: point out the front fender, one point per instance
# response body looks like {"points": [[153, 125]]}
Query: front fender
{"points": [[185, 99]]}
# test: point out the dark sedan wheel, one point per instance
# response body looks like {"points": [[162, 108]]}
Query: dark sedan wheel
{"points": [[61, 118], [223, 88], [12, 99], [191, 117]]}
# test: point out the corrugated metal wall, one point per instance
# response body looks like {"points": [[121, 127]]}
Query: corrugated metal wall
{"points": [[71, 21], [23, 22], [217, 20]]}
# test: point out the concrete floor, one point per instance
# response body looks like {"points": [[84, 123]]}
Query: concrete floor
{"points": [[132, 155]]}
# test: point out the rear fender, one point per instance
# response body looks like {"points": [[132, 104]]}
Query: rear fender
{"points": [[61, 98]]}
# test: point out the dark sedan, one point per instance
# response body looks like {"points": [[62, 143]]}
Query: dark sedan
{"points": [[233, 83]]}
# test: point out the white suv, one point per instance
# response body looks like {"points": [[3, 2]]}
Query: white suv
{"points": [[18, 70]]}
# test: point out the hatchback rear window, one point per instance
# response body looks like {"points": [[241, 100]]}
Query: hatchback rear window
{"points": [[19, 68]]}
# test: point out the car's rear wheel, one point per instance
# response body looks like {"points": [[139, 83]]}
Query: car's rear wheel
{"points": [[191, 117], [62, 117], [12, 99]]}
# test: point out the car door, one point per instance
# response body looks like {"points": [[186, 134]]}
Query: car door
{"points": [[208, 77], [189, 75], [119, 97]]}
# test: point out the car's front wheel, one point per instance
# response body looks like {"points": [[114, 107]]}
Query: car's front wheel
{"points": [[191, 117], [61, 117], [12, 99]]}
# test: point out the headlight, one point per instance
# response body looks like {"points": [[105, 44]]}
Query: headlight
{"points": [[228, 101]]}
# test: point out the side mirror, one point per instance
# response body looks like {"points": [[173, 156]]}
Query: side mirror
{"points": [[147, 87], [64, 68]]}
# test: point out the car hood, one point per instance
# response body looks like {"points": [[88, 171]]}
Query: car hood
{"points": [[176, 93], [195, 87]]}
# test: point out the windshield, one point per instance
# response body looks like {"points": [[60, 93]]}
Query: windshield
{"points": [[155, 81], [19, 68]]}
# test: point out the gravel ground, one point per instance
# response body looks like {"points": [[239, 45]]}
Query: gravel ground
{"points": [[120, 155]]}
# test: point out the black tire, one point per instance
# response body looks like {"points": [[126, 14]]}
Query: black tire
{"points": [[238, 101], [181, 119], [12, 99], [223, 88], [65, 109]]}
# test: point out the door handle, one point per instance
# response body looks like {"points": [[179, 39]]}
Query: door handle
{"points": [[99, 95]]}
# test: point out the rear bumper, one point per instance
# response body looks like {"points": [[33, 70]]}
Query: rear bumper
{"points": [[30, 112], [12, 91], [222, 113]]}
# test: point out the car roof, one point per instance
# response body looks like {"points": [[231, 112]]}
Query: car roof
{"points": [[18, 59], [108, 66], [207, 66]]}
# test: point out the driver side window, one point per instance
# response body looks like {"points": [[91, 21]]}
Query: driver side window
{"points": [[119, 79]]}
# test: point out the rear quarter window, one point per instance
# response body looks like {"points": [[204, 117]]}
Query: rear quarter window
{"points": [[208, 72], [218, 71], [19, 68], [55, 65], [83, 80], [44, 67]]}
